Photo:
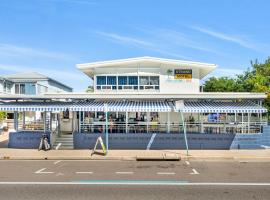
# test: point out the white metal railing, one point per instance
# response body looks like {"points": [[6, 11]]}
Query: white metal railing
{"points": [[155, 127]]}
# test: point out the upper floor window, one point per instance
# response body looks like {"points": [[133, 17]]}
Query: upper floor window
{"points": [[25, 88], [111, 80], [127, 82], [122, 80], [7, 87], [101, 80]]}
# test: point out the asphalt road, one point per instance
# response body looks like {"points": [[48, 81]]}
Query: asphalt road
{"points": [[134, 180]]}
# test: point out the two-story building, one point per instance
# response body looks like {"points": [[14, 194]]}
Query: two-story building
{"points": [[31, 83], [147, 103]]}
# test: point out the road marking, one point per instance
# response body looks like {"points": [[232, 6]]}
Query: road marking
{"points": [[124, 172], [58, 146], [166, 173], [84, 172], [188, 163], [194, 171], [122, 182], [56, 162], [41, 171]]}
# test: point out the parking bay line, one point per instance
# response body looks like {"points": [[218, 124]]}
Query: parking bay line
{"points": [[166, 173], [56, 162], [194, 171], [84, 172], [42, 171], [124, 172]]}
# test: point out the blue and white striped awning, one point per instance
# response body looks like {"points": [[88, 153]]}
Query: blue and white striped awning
{"points": [[90, 106], [35, 106], [99, 106], [139, 106], [222, 107]]}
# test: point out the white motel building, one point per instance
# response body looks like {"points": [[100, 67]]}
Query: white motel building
{"points": [[136, 103]]}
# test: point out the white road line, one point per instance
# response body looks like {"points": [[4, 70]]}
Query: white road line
{"points": [[187, 162], [175, 183], [194, 171], [41, 171], [56, 162], [84, 172], [124, 172], [166, 173], [58, 146]]}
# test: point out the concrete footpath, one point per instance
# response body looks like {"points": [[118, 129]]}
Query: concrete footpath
{"points": [[32, 154]]}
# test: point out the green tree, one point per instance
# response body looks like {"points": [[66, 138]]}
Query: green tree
{"points": [[256, 79], [3, 116], [222, 84]]}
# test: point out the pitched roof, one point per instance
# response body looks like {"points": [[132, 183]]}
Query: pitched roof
{"points": [[30, 76], [205, 68]]}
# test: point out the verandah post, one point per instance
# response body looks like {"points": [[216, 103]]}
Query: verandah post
{"points": [[106, 127], [184, 129]]}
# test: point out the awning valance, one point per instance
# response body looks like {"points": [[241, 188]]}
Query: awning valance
{"points": [[222, 107], [140, 106], [99, 106], [136, 106]]}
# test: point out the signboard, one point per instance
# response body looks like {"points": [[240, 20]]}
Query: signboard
{"points": [[183, 74], [100, 141], [179, 105]]}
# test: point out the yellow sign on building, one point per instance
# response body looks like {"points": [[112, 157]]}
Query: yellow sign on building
{"points": [[183, 74]]}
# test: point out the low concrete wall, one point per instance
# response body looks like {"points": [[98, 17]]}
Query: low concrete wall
{"points": [[176, 141], [26, 139]]}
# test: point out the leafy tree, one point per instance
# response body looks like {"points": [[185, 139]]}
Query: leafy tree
{"points": [[222, 84], [3, 116], [256, 79]]}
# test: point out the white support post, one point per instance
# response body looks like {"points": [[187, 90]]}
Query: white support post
{"points": [[23, 122], [147, 121], [44, 120], [50, 121], [106, 128], [242, 122], [185, 130], [201, 118], [168, 122], [126, 122], [248, 122], [15, 120], [80, 119], [58, 124]]}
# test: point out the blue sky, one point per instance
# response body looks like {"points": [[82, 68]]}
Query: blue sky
{"points": [[52, 36]]}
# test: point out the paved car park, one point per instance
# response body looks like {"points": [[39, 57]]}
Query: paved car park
{"points": [[226, 179]]}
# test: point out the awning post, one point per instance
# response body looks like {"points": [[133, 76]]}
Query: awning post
{"points": [[126, 122], [168, 122], [185, 130], [15, 122], [80, 119], [106, 127], [44, 120], [23, 122]]}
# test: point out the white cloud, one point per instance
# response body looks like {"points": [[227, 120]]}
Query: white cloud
{"points": [[141, 43], [240, 40], [125, 39], [26, 52]]}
